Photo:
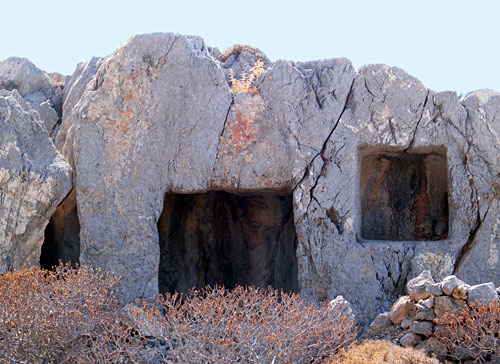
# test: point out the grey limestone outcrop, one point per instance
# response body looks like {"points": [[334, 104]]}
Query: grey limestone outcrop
{"points": [[366, 176]]}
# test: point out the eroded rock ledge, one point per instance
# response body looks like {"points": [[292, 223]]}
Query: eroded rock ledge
{"points": [[386, 178]]}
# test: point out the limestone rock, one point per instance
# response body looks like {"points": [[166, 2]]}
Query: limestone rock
{"points": [[293, 110], [428, 303], [22, 75], [391, 127], [482, 293], [424, 315], [410, 340], [35, 86], [480, 259], [417, 286], [449, 284], [380, 324], [423, 328], [34, 178], [461, 291], [400, 309], [434, 289], [341, 304], [446, 304], [148, 122], [407, 324]]}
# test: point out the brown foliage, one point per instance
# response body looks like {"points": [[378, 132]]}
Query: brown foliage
{"points": [[46, 315], [245, 326], [73, 316], [474, 334], [381, 352]]}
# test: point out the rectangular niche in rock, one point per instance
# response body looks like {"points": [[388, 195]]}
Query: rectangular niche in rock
{"points": [[404, 195], [227, 239]]}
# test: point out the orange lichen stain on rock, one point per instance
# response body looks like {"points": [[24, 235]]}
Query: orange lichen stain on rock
{"points": [[130, 89], [242, 127]]}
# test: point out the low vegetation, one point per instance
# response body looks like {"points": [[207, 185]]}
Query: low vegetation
{"points": [[471, 335], [73, 316], [381, 352]]}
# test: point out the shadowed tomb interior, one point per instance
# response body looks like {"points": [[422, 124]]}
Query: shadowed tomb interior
{"points": [[227, 239], [404, 195], [62, 235]]}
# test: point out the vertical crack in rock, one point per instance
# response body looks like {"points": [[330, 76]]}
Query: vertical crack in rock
{"points": [[412, 141]]}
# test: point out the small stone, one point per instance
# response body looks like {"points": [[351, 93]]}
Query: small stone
{"points": [[400, 309], [461, 291], [482, 293], [449, 284], [423, 328], [344, 307], [428, 303], [380, 324], [410, 340], [434, 289], [407, 324], [427, 315], [446, 304], [420, 307], [417, 287]]}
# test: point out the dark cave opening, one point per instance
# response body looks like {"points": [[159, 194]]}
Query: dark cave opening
{"points": [[404, 195], [219, 238], [62, 235]]}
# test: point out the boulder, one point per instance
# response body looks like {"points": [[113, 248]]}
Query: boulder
{"points": [[423, 328], [446, 304], [22, 75], [380, 324], [434, 289], [36, 87], [344, 308], [400, 309], [449, 284], [461, 291], [410, 340], [417, 287], [482, 293], [34, 179]]}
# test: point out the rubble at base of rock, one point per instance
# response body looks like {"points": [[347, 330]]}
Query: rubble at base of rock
{"points": [[415, 329]]}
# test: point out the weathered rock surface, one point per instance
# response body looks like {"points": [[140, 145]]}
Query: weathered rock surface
{"points": [[34, 178], [417, 287], [38, 88], [386, 177], [481, 294], [400, 309], [148, 123]]}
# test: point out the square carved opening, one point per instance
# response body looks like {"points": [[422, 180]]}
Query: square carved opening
{"points": [[404, 195]]}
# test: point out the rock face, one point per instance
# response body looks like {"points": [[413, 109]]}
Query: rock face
{"points": [[34, 178], [384, 177], [42, 91]]}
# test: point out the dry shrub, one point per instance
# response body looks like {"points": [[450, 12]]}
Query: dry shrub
{"points": [[245, 84], [473, 334], [243, 326], [381, 352], [73, 316], [45, 316]]}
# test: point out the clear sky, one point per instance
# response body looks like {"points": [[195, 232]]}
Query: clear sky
{"points": [[449, 45]]}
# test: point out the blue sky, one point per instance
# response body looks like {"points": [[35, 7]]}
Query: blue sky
{"points": [[449, 45]]}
